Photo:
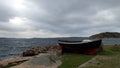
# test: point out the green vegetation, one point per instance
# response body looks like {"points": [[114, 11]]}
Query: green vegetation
{"points": [[113, 62], [110, 58], [74, 60], [110, 50]]}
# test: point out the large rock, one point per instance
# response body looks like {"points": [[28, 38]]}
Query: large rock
{"points": [[41, 61], [41, 49], [14, 61]]}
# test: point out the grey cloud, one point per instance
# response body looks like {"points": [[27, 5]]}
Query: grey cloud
{"points": [[7, 27], [66, 17], [6, 12]]}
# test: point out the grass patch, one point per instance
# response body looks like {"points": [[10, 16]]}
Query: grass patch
{"points": [[106, 52], [74, 60], [110, 50], [114, 62]]}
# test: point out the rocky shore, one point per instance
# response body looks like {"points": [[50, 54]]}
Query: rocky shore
{"points": [[43, 56], [42, 49]]}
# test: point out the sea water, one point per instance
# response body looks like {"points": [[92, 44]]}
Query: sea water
{"points": [[11, 47]]}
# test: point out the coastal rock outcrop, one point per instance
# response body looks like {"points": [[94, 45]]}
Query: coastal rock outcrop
{"points": [[41, 61], [106, 35], [42, 49], [13, 61]]}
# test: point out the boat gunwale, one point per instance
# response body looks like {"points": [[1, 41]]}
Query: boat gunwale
{"points": [[76, 42]]}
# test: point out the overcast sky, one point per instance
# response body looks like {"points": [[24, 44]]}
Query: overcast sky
{"points": [[58, 18]]}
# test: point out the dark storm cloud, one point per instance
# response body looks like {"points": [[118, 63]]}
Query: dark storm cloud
{"points": [[66, 17]]}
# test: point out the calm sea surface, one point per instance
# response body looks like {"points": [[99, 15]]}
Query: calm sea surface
{"points": [[14, 47]]}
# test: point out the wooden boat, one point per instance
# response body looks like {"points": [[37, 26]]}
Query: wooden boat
{"points": [[84, 47]]}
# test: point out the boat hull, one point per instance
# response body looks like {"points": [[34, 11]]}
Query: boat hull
{"points": [[79, 47]]}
